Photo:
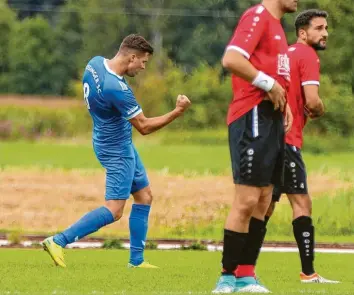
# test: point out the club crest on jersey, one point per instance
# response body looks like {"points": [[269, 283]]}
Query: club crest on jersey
{"points": [[283, 65]]}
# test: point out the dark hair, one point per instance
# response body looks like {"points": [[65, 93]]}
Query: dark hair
{"points": [[304, 19], [136, 42]]}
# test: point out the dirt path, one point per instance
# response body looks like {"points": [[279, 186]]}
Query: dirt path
{"points": [[51, 200]]}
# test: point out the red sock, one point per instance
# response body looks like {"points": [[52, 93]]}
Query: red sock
{"points": [[245, 271]]}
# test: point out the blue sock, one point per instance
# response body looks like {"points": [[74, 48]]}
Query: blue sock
{"points": [[138, 226], [88, 224]]}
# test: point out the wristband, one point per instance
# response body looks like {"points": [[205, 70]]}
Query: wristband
{"points": [[263, 81]]}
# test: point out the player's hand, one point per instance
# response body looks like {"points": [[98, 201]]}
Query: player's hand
{"points": [[277, 95], [307, 112], [288, 119], [313, 114], [182, 103]]}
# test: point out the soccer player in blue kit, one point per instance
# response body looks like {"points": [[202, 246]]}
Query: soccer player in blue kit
{"points": [[114, 110]]}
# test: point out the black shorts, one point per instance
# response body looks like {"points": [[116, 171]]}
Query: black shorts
{"points": [[256, 143], [295, 178]]}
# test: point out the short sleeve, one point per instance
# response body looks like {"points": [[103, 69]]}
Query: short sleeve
{"points": [[249, 32], [309, 66], [125, 103]]}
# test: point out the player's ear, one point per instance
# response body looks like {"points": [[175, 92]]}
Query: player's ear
{"points": [[302, 34], [132, 57]]}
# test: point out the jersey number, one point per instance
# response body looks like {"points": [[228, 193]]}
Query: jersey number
{"points": [[86, 94]]}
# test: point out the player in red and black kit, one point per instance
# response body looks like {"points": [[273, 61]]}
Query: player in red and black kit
{"points": [[304, 100], [258, 116]]}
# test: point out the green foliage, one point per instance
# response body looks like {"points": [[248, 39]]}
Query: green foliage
{"points": [[203, 35], [190, 32], [31, 122], [15, 237], [68, 33], [338, 59], [208, 91], [338, 118], [102, 30], [33, 59], [37, 57], [198, 246], [31, 8], [332, 216], [331, 133], [7, 21], [210, 95], [113, 244], [151, 245], [332, 143]]}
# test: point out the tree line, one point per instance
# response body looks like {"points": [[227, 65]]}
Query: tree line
{"points": [[44, 46]]}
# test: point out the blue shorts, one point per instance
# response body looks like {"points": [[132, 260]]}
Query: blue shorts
{"points": [[125, 175]]}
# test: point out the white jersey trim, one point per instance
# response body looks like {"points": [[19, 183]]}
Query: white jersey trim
{"points": [[310, 83], [134, 114], [240, 50], [110, 71]]}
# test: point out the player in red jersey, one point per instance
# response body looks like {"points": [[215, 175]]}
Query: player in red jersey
{"points": [[257, 57], [311, 29]]}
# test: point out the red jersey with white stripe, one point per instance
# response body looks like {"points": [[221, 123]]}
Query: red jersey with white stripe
{"points": [[261, 39], [305, 70]]}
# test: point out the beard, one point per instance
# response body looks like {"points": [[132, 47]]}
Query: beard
{"points": [[318, 46]]}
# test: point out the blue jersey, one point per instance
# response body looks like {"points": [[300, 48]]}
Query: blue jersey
{"points": [[111, 104]]}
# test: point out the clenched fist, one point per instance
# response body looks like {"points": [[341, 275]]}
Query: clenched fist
{"points": [[182, 103]]}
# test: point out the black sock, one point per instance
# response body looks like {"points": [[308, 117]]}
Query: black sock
{"points": [[304, 233], [234, 244], [256, 234], [266, 219]]}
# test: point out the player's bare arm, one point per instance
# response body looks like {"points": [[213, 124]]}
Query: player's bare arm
{"points": [[314, 104], [236, 63], [148, 125]]}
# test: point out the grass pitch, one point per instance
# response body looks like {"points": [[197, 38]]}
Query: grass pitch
{"points": [[186, 159], [181, 272]]}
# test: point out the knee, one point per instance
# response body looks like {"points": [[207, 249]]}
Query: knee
{"points": [[116, 208], [118, 214], [246, 209], [143, 197]]}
